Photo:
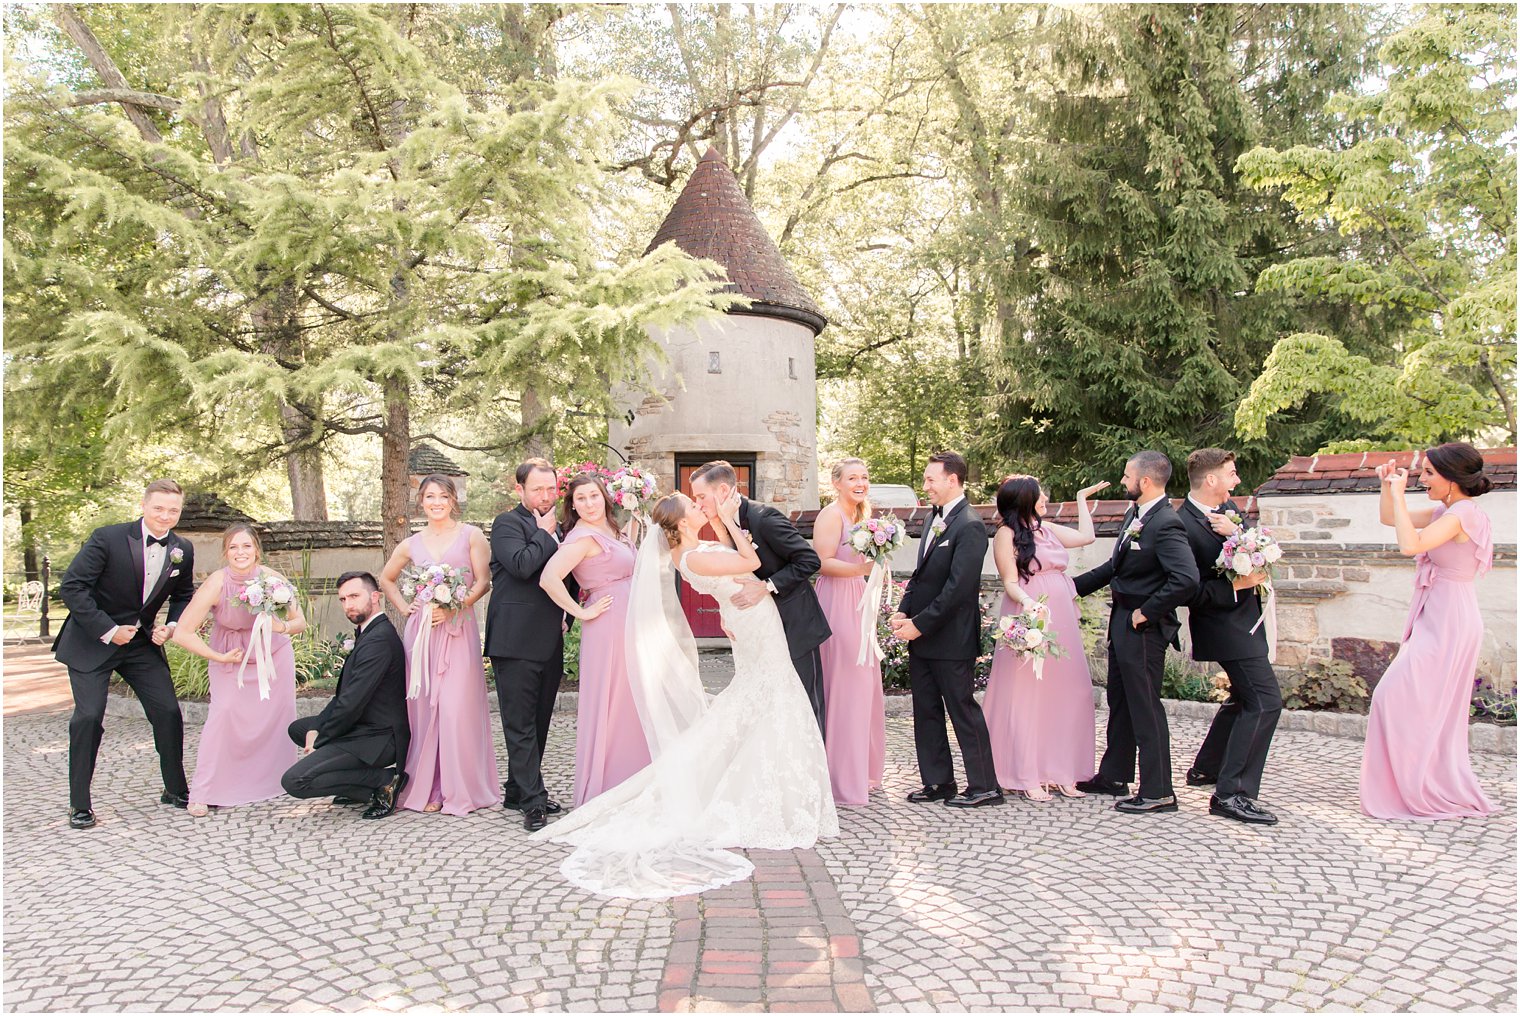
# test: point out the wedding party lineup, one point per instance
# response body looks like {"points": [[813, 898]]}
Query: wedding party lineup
{"points": [[670, 781]]}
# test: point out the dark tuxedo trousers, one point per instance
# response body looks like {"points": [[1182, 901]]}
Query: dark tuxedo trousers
{"points": [[142, 666], [525, 691], [1136, 719], [332, 770]]}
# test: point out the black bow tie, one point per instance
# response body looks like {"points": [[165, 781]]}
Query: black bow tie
{"points": [[938, 512], [161, 540]]}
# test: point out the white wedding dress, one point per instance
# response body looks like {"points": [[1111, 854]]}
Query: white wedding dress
{"points": [[749, 772]]}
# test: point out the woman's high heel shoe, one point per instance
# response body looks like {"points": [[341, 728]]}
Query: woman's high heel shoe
{"points": [[1067, 791], [197, 810], [1039, 795]]}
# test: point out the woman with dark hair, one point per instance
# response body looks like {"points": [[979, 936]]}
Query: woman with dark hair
{"points": [[1415, 763], [451, 759], [609, 742], [1042, 727], [244, 749]]}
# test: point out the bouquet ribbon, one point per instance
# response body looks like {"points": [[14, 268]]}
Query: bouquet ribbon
{"points": [[870, 605], [261, 649], [1268, 617], [420, 673]]}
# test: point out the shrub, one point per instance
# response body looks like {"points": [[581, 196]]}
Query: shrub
{"points": [[1325, 684], [1183, 679], [1492, 704], [191, 673]]}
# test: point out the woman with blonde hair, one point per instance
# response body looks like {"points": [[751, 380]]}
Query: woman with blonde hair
{"points": [[244, 747]]}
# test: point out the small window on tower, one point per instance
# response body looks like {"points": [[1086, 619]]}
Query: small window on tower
{"points": [[713, 364], [791, 367]]}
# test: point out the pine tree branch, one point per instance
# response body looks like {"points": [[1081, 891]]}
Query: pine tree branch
{"points": [[127, 97]]}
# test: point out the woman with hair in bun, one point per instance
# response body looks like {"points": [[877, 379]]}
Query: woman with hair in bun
{"points": [[1415, 764], [1043, 727]]}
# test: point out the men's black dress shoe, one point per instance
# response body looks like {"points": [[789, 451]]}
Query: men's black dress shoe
{"points": [[81, 818], [980, 799], [1145, 805], [534, 820], [174, 799], [551, 806], [938, 792], [384, 801], [1097, 785], [1196, 778], [1242, 809], [340, 799]]}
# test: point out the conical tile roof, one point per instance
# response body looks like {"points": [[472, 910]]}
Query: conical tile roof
{"points": [[713, 219]]}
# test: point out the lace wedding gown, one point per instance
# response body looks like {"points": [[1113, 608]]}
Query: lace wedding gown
{"points": [[750, 772]]}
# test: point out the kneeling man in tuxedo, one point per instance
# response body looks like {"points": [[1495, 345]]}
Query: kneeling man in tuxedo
{"points": [[358, 743]]}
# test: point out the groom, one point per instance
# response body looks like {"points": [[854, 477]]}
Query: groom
{"points": [[940, 617], [114, 589], [787, 563]]}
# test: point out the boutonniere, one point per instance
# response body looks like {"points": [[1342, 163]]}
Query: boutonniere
{"points": [[748, 537], [1133, 532], [1234, 516], [177, 555], [937, 530]]}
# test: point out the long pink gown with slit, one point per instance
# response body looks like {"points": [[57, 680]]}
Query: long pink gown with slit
{"points": [[1415, 764], [609, 740], [245, 747], [854, 717], [1043, 729], [452, 758]]}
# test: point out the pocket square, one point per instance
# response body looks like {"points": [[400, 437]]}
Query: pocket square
{"points": [[174, 573]]}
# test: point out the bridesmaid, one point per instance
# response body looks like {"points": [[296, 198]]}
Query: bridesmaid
{"points": [[245, 747], [1415, 762], [855, 720], [1043, 729], [451, 763], [609, 739]]}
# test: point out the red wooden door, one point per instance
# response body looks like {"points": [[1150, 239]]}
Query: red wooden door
{"points": [[702, 611]]}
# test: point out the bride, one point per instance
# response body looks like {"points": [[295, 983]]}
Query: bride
{"points": [[745, 769]]}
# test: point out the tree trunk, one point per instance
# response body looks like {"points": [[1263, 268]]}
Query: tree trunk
{"points": [[303, 464], [537, 443], [395, 482], [29, 562]]}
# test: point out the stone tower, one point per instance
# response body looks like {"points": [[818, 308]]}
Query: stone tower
{"points": [[741, 387]]}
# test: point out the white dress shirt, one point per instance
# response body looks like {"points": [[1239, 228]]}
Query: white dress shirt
{"points": [[154, 556]]}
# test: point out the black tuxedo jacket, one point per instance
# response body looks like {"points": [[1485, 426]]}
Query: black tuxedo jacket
{"points": [[943, 598], [790, 562], [1155, 573], [103, 588], [367, 714], [1219, 621], [522, 623]]}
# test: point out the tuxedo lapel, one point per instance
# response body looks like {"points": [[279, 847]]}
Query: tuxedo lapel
{"points": [[1123, 539], [135, 543], [1197, 519], [163, 573], [927, 544]]}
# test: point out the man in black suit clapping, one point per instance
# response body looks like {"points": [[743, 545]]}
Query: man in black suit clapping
{"points": [[114, 589], [1150, 574], [358, 742], [1224, 619]]}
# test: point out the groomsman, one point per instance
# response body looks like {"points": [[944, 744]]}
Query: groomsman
{"points": [[525, 637], [1224, 619], [1150, 574], [940, 617], [787, 566], [358, 742], [114, 589]]}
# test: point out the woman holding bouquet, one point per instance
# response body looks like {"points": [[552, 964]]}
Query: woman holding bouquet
{"points": [[1415, 763], [609, 740], [451, 763], [244, 747], [1042, 723], [855, 722]]}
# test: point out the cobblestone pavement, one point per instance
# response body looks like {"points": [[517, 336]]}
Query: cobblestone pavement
{"points": [[300, 905]]}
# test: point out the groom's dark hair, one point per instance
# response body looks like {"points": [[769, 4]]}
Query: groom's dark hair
{"points": [[717, 471], [363, 576], [952, 462], [1155, 465]]}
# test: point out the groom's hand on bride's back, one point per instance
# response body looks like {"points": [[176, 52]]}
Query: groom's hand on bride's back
{"points": [[751, 592]]}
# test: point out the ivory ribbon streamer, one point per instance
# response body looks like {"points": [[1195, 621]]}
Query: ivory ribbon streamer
{"points": [[421, 679], [1269, 617], [870, 604], [1039, 668], [261, 648]]}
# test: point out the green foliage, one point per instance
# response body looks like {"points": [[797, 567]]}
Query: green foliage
{"points": [[573, 655], [1325, 684], [191, 674], [1183, 679]]}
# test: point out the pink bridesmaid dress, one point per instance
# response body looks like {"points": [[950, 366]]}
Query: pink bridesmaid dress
{"points": [[452, 758], [245, 747], [1415, 763], [609, 740], [1043, 729], [855, 719]]}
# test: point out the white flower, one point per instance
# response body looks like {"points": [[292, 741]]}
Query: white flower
{"points": [[442, 594], [1241, 564], [1272, 552], [1033, 637], [281, 593]]}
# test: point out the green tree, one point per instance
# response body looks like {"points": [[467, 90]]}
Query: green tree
{"points": [[1425, 194]]}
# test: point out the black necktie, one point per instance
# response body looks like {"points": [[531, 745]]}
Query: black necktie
{"points": [[160, 540]]}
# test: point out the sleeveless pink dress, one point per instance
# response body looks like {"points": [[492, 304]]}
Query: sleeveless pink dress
{"points": [[855, 719], [1043, 730], [609, 739], [1415, 764], [245, 747], [452, 758]]}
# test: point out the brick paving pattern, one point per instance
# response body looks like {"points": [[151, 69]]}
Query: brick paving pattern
{"points": [[300, 905]]}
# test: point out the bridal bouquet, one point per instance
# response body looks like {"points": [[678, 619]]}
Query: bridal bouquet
{"points": [[874, 539], [1028, 634], [1245, 554], [266, 595], [428, 586], [632, 490], [567, 473]]}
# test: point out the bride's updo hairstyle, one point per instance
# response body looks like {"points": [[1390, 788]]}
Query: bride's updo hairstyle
{"points": [[668, 513], [1462, 464]]}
